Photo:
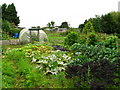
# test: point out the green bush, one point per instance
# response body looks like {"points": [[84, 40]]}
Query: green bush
{"points": [[111, 42], [71, 38], [88, 28], [5, 26], [82, 39], [118, 35], [92, 40], [14, 30], [4, 36]]}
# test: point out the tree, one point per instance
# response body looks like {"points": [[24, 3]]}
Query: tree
{"points": [[116, 19], [10, 14], [64, 25], [88, 28], [52, 23], [4, 7], [49, 25], [97, 23], [108, 25], [81, 26], [38, 27], [5, 26]]}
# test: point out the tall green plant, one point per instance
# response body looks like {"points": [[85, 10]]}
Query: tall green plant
{"points": [[88, 28], [111, 42], [5, 26], [92, 40], [71, 38]]}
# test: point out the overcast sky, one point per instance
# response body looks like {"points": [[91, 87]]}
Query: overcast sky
{"points": [[40, 12]]}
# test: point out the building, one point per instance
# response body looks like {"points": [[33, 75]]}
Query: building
{"points": [[61, 30]]}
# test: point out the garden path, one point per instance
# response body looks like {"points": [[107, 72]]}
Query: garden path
{"points": [[9, 42]]}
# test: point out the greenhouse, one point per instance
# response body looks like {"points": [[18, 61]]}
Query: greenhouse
{"points": [[30, 35]]}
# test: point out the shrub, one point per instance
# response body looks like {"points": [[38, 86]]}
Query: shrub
{"points": [[111, 42], [4, 36], [118, 35], [14, 30], [5, 26], [88, 28], [71, 38], [92, 40], [95, 74], [82, 39]]}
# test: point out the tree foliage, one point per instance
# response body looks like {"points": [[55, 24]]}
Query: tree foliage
{"points": [[64, 25], [52, 23], [9, 13], [108, 23], [5, 26], [88, 28], [71, 38]]}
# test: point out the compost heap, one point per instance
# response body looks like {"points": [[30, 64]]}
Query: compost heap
{"points": [[24, 36]]}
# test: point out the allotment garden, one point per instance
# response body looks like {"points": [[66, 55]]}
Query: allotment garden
{"points": [[83, 57], [66, 60]]}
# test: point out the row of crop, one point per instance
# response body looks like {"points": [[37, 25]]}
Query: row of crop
{"points": [[26, 71], [41, 61], [96, 61]]}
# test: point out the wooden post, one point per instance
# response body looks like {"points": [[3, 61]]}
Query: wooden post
{"points": [[34, 29], [30, 36], [38, 36]]}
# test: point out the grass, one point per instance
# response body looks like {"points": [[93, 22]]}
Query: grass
{"points": [[5, 47], [55, 38]]}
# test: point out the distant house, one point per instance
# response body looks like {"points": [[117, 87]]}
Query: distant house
{"points": [[61, 30], [48, 29], [57, 29]]}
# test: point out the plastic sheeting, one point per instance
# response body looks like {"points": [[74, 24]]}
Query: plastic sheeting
{"points": [[24, 36]]}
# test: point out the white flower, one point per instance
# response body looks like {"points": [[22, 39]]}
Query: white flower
{"points": [[64, 56], [69, 58], [51, 58], [77, 53], [64, 64], [45, 61], [59, 62], [33, 59], [44, 57], [60, 59], [57, 50], [37, 66], [39, 61], [54, 73], [42, 61], [61, 68]]}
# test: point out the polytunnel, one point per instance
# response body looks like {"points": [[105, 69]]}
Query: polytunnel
{"points": [[29, 35]]}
